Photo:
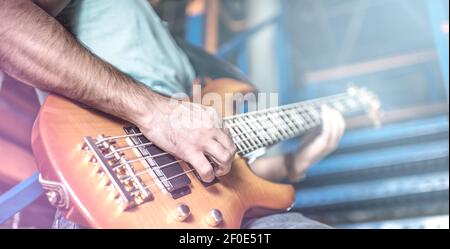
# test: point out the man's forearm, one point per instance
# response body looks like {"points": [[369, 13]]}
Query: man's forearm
{"points": [[37, 50]]}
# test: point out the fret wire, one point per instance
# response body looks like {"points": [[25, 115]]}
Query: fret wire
{"points": [[290, 122], [245, 138], [307, 114], [265, 118], [265, 130], [300, 122], [237, 145], [255, 120], [245, 130], [248, 140], [269, 129], [313, 123], [299, 109], [296, 105], [288, 119], [245, 141], [284, 127], [251, 137], [241, 136], [280, 126], [292, 129], [231, 129], [259, 128], [277, 133], [303, 125], [254, 136]]}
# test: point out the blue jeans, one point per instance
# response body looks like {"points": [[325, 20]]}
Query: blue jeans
{"points": [[289, 220]]}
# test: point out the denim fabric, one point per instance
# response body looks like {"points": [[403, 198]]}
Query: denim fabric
{"points": [[276, 221]]}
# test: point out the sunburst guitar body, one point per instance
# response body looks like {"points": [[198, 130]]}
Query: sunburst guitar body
{"points": [[101, 173]]}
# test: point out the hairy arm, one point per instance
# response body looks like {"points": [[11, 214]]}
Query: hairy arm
{"points": [[37, 50]]}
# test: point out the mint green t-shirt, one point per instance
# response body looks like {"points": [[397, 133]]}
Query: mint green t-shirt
{"points": [[129, 35]]}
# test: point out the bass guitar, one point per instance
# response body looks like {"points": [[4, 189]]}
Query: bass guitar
{"points": [[102, 172]]}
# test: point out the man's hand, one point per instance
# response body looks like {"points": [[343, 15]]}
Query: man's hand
{"points": [[193, 133], [316, 147]]}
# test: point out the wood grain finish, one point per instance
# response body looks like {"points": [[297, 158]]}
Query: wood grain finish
{"points": [[57, 139]]}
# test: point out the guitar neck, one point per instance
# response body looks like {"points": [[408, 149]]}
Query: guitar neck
{"points": [[256, 130]]}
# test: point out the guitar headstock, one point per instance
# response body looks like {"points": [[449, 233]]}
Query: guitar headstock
{"points": [[370, 102]]}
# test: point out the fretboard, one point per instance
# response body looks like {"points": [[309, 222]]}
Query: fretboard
{"points": [[261, 129]]}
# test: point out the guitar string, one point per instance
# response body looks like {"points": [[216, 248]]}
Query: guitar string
{"points": [[140, 134], [249, 140], [127, 148], [143, 172], [170, 178], [146, 171], [285, 107], [152, 168], [157, 178], [117, 137], [139, 173], [139, 159], [255, 120], [289, 106]]}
